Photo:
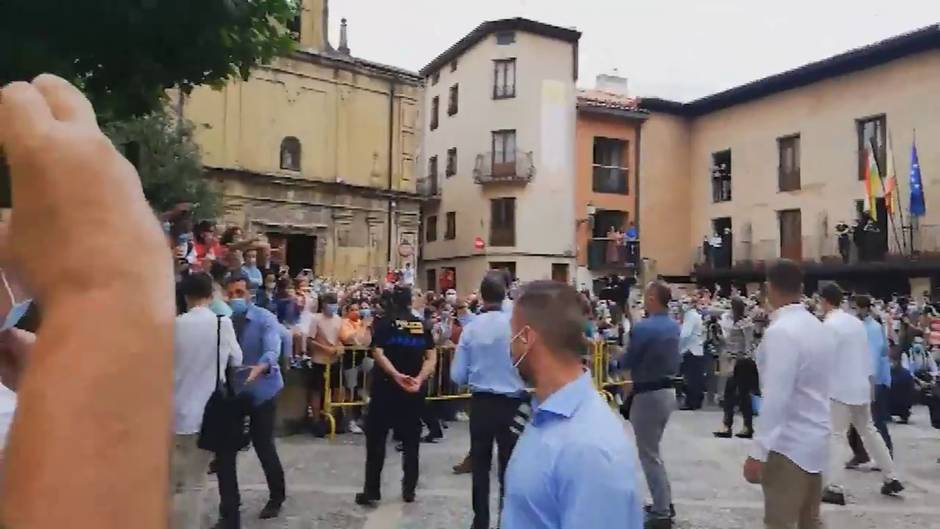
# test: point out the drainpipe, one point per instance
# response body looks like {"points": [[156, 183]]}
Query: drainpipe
{"points": [[391, 148]]}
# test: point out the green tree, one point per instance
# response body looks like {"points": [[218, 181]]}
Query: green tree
{"points": [[126, 53], [167, 160]]}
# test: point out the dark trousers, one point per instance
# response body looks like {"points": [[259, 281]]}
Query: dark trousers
{"points": [[901, 393], [392, 409], [490, 419], [739, 390], [693, 370], [261, 430], [880, 415]]}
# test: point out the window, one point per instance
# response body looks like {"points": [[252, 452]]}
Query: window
{"points": [[610, 166], [504, 78], [452, 101], [453, 65], [560, 272], [294, 27], [450, 229], [503, 222], [432, 175], [505, 266], [788, 175], [871, 131], [791, 235], [290, 154], [435, 77], [504, 38], [430, 234], [721, 176], [435, 103], [504, 153], [430, 279], [451, 169]]}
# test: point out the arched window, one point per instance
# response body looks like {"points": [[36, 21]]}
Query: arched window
{"points": [[290, 154]]}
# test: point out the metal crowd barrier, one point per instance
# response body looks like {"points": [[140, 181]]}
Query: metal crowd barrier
{"points": [[353, 385]]}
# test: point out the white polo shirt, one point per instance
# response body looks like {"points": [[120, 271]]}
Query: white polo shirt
{"points": [[852, 366]]}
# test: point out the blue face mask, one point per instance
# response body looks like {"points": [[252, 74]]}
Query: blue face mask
{"points": [[365, 313], [239, 305], [184, 237], [331, 309], [16, 314]]}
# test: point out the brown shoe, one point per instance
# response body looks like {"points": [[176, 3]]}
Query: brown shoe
{"points": [[464, 467]]}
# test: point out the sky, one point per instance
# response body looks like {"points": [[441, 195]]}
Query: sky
{"points": [[676, 49]]}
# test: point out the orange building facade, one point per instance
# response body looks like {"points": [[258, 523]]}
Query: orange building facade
{"points": [[607, 146]]}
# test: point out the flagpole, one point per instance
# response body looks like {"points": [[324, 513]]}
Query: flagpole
{"points": [[896, 196], [881, 178]]}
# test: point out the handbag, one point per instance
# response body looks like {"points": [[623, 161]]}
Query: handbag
{"points": [[225, 419]]}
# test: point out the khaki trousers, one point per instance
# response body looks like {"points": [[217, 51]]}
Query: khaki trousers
{"points": [[792, 496], [188, 467]]}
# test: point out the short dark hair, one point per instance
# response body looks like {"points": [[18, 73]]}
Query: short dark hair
{"points": [[553, 310], [863, 301], [218, 271], [832, 293], [196, 286], [786, 276], [492, 288], [737, 307], [328, 298], [235, 278], [401, 299]]}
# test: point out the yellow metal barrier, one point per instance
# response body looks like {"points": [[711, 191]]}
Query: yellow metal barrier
{"points": [[439, 385]]}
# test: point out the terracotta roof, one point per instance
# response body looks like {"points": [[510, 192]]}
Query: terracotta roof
{"points": [[599, 98], [917, 41]]}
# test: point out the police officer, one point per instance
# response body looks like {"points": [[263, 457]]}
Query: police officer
{"points": [[404, 355], [482, 361]]}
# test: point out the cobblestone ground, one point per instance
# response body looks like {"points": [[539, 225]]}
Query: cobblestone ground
{"points": [[709, 492]]}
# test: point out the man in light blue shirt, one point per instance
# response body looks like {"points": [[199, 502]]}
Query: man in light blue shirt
{"points": [[259, 335], [574, 465], [880, 405], [482, 362]]}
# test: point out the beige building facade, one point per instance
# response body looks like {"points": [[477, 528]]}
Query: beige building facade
{"points": [[778, 163], [499, 126], [318, 150]]}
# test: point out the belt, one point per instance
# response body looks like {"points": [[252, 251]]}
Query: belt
{"points": [[489, 395], [656, 385]]}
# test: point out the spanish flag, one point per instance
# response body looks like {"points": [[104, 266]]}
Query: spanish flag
{"points": [[872, 182]]}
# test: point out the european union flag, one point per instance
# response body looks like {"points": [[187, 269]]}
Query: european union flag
{"points": [[918, 207]]}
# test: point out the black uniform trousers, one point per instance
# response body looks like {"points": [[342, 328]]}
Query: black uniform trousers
{"points": [[391, 408], [261, 430], [693, 370], [491, 416], [739, 390]]}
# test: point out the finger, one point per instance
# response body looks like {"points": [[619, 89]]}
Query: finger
{"points": [[24, 118], [66, 102]]}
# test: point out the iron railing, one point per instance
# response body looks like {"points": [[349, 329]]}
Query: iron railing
{"points": [[510, 167]]}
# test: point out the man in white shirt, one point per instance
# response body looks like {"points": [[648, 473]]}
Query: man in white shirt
{"points": [[408, 276], [791, 443], [692, 349], [202, 343], [851, 390]]}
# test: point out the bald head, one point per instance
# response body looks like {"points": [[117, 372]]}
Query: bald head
{"points": [[553, 311]]}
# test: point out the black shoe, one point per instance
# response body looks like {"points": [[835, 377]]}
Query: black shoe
{"points": [[690, 408], [892, 487], [856, 462], [367, 499], [399, 447], [745, 434], [833, 496], [272, 509], [408, 496], [432, 439], [723, 434], [657, 523], [213, 467], [672, 510], [227, 524]]}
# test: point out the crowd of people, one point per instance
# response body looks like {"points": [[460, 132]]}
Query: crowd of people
{"points": [[822, 364]]}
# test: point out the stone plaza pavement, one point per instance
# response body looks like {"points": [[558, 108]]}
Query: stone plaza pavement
{"points": [[709, 492]]}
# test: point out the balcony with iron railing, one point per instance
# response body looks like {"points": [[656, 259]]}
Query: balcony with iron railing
{"points": [[516, 167], [613, 254], [429, 188], [916, 247]]}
